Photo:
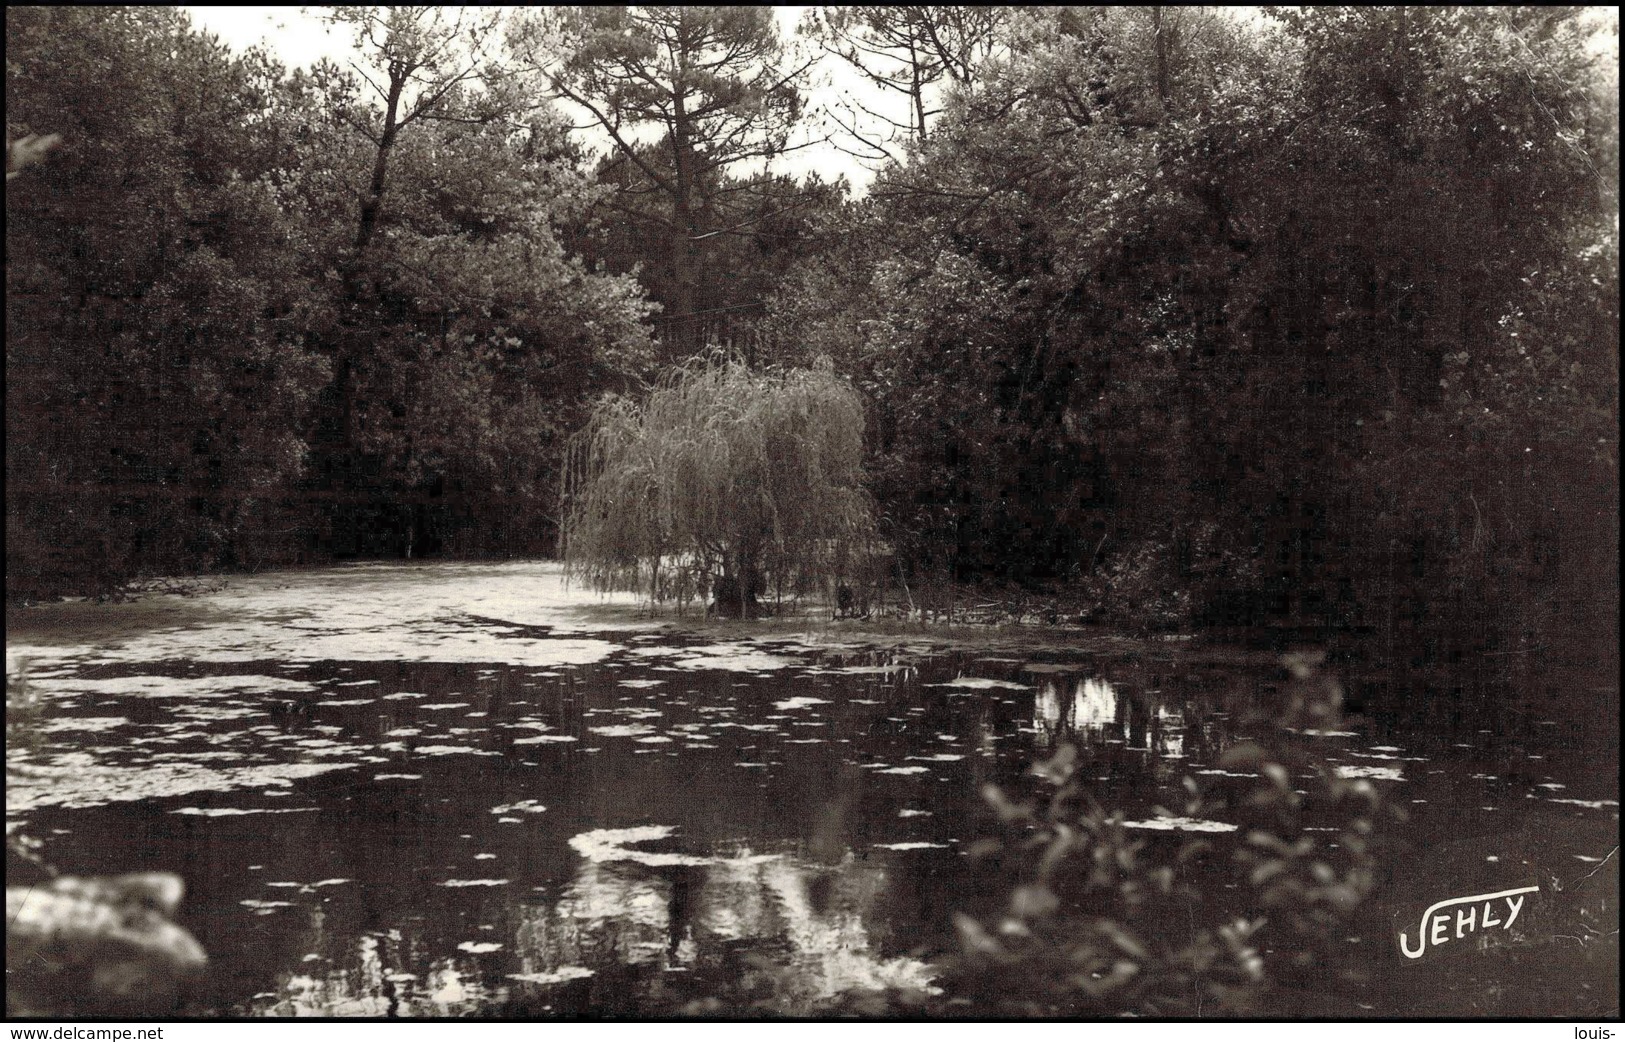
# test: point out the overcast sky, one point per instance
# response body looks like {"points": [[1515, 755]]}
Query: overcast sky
{"points": [[299, 37]]}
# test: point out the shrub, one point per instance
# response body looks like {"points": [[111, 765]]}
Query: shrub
{"points": [[725, 480]]}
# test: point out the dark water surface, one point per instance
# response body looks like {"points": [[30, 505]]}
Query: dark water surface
{"points": [[445, 790]]}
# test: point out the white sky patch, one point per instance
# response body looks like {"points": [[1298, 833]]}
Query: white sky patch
{"points": [[300, 37]]}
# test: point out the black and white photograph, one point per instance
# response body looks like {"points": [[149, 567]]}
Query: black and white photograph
{"points": [[812, 514]]}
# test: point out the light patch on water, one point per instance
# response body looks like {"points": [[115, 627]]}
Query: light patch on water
{"points": [[354, 683], [173, 687], [1363, 771], [350, 702], [265, 906], [558, 976], [601, 845], [228, 812], [541, 738], [938, 758], [980, 684], [452, 750], [1590, 804], [1328, 734], [479, 947], [800, 702], [904, 770], [405, 694], [1180, 825], [911, 846], [622, 730], [83, 723], [641, 683], [735, 658], [444, 705], [523, 806], [911, 813], [475, 882], [75, 781]]}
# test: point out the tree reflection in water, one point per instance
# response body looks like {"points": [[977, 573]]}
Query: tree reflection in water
{"points": [[793, 935]]}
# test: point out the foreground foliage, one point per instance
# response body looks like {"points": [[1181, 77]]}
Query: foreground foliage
{"points": [[1104, 921]]}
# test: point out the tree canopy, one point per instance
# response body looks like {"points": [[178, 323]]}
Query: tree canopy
{"points": [[1311, 315]]}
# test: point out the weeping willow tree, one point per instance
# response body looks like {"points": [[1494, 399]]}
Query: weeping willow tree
{"points": [[725, 482]]}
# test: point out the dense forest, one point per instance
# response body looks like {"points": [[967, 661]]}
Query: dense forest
{"points": [[1204, 320]]}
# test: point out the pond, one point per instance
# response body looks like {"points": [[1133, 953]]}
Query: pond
{"points": [[463, 789]]}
